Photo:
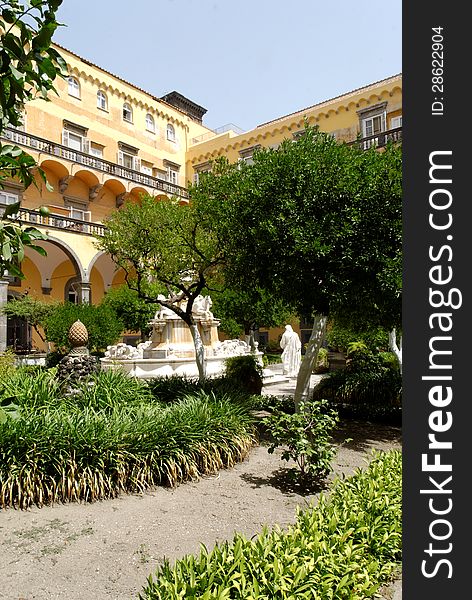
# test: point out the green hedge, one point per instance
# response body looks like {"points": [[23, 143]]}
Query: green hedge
{"points": [[343, 549]]}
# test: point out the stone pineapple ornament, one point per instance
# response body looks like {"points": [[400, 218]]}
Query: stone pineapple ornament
{"points": [[78, 335]]}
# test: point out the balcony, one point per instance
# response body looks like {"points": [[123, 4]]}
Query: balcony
{"points": [[380, 140], [46, 146], [59, 221]]}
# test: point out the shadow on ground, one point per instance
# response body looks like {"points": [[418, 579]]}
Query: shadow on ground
{"points": [[286, 481], [362, 435]]}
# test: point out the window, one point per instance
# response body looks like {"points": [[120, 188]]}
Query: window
{"points": [[127, 113], [77, 210], [170, 132], [150, 125], [247, 154], [72, 291], [75, 141], [199, 169], [396, 122], [73, 87], [146, 168], [128, 160], [7, 198], [96, 150], [102, 102], [372, 123], [172, 176], [372, 126]]}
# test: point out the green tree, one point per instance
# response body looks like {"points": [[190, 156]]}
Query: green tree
{"points": [[318, 224], [246, 309], [162, 245], [28, 68], [32, 310], [132, 311]]}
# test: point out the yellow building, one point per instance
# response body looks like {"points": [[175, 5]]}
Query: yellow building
{"points": [[103, 140]]}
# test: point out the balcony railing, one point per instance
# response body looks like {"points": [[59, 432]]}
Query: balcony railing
{"points": [[55, 221], [99, 164], [379, 140]]}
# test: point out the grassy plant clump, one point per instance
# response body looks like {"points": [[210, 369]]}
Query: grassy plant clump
{"points": [[343, 549], [96, 446], [31, 389]]}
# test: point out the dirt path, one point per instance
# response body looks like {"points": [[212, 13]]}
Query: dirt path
{"points": [[106, 550]]}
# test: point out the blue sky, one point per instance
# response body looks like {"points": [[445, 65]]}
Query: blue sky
{"points": [[246, 61]]}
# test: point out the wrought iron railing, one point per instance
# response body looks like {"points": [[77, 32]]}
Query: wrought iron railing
{"points": [[94, 162], [56, 221]]}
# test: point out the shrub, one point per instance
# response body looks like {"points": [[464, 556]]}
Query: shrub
{"points": [[245, 371], [342, 549], [103, 327], [340, 336], [273, 403], [68, 453], [305, 438], [366, 380]]}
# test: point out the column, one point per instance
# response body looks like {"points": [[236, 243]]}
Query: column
{"points": [[85, 293], [3, 318]]}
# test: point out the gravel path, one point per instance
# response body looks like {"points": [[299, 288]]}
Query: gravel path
{"points": [[105, 550]]}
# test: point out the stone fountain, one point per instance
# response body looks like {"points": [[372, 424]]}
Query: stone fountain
{"points": [[170, 349]]}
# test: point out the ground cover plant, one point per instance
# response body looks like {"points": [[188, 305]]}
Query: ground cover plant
{"points": [[342, 549], [112, 436]]}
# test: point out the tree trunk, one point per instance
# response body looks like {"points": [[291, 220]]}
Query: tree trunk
{"points": [[396, 349], [302, 390], [199, 351]]}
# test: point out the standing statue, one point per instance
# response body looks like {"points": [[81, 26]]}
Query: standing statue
{"points": [[292, 352]]}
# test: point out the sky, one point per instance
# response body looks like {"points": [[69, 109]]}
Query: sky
{"points": [[245, 61]]}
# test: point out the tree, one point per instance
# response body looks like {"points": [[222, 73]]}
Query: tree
{"points": [[28, 68], [318, 224], [132, 311], [245, 309], [162, 245], [32, 310]]}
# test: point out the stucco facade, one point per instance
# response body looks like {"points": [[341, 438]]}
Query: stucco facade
{"points": [[102, 140]]}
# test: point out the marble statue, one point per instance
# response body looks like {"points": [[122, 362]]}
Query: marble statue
{"points": [[292, 352]]}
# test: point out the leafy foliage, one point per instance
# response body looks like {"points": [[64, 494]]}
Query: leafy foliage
{"points": [[342, 549], [132, 311], [369, 386], [305, 438], [13, 241], [114, 437], [28, 68], [341, 335], [102, 325], [316, 223], [245, 371], [33, 310], [163, 245], [247, 308]]}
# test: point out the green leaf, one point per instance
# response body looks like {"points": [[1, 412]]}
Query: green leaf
{"points": [[12, 209], [6, 251]]}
